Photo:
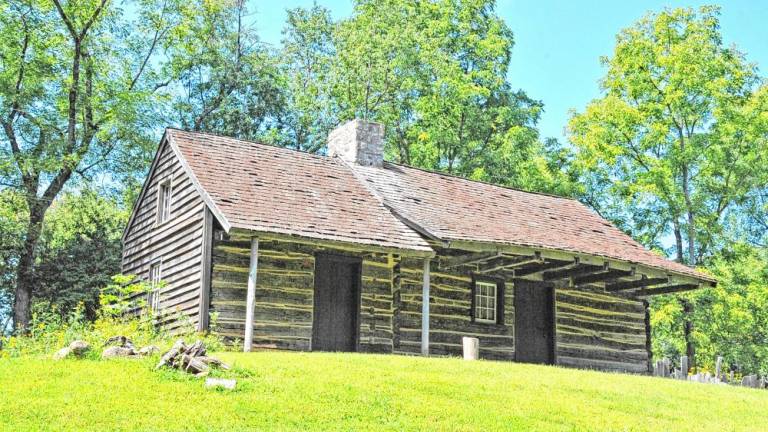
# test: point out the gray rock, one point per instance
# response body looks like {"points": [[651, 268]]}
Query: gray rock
{"points": [[121, 341], [62, 353], [149, 350], [118, 352], [750, 381], [79, 347]]}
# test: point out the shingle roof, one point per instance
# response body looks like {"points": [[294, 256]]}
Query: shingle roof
{"points": [[453, 208], [271, 189]]}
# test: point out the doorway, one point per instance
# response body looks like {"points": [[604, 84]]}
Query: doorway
{"points": [[534, 322], [336, 314]]}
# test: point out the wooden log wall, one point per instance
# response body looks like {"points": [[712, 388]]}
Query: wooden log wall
{"points": [[176, 243], [602, 331], [284, 294], [593, 329], [450, 313]]}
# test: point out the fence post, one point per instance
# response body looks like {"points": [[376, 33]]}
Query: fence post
{"points": [[718, 368], [684, 367]]}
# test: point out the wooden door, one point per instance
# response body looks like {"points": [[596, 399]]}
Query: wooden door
{"points": [[337, 303], [534, 323]]}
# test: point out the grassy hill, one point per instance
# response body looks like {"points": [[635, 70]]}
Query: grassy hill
{"points": [[314, 391]]}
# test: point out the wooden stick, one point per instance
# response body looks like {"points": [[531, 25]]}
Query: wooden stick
{"points": [[425, 310], [251, 296]]}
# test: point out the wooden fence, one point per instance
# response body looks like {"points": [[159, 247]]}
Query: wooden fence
{"points": [[663, 368]]}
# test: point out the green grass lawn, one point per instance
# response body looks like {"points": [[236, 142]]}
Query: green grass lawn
{"points": [[314, 391]]}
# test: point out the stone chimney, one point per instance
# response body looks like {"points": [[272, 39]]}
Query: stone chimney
{"points": [[358, 141]]}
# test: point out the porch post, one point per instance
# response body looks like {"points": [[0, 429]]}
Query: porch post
{"points": [[425, 310], [251, 296]]}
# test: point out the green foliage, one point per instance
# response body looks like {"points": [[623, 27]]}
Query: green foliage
{"points": [[678, 136], [123, 312], [730, 320], [675, 149], [80, 248], [225, 80], [306, 60], [434, 73], [12, 207]]}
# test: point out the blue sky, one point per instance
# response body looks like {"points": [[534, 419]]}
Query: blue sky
{"points": [[559, 43]]}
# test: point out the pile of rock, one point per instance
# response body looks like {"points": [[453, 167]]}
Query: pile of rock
{"points": [[190, 358], [77, 349], [122, 347]]}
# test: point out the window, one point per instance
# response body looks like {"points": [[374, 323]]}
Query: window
{"points": [[164, 202], [153, 296], [487, 302]]}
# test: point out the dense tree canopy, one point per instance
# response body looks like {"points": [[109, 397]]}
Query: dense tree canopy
{"points": [[679, 136], [674, 151], [433, 72]]}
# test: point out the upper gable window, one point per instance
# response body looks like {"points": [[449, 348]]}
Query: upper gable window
{"points": [[164, 201]]}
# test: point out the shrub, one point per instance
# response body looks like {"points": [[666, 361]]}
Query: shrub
{"points": [[123, 312]]}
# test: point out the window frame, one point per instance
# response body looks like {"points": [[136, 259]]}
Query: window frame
{"points": [[164, 201], [499, 300], [155, 283]]}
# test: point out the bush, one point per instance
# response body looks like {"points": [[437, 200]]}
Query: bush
{"points": [[123, 312]]}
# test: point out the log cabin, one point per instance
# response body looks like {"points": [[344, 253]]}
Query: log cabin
{"points": [[348, 252]]}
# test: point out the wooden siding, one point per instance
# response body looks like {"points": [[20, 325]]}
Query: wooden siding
{"points": [[176, 243], [450, 313], [597, 330], [593, 329], [284, 295]]}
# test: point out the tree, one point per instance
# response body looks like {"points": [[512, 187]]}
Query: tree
{"points": [[80, 250], [224, 80], [677, 143], [306, 58], [12, 215], [731, 320], [435, 74], [674, 136], [74, 98]]}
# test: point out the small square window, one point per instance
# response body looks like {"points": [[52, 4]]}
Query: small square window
{"points": [[486, 302], [164, 201], [153, 296]]}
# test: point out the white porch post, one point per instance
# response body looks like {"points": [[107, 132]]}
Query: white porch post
{"points": [[425, 310], [251, 296]]}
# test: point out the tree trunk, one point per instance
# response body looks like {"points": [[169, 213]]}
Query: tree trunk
{"points": [[678, 241], [24, 273], [690, 350], [691, 221], [648, 346]]}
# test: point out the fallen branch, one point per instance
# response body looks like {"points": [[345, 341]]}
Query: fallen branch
{"points": [[191, 359]]}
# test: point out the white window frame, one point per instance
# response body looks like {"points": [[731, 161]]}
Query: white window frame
{"points": [[164, 201], [485, 313], [155, 277]]}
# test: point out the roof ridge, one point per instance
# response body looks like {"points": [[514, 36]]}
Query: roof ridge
{"points": [[428, 171], [258, 143], [273, 146]]}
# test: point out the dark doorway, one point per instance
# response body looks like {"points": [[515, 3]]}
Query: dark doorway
{"points": [[337, 303], [534, 323]]}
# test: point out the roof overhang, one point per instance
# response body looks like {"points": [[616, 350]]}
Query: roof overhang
{"points": [[237, 233], [566, 269]]}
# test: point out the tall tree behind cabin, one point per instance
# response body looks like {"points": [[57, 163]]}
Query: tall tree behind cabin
{"points": [[76, 93]]}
